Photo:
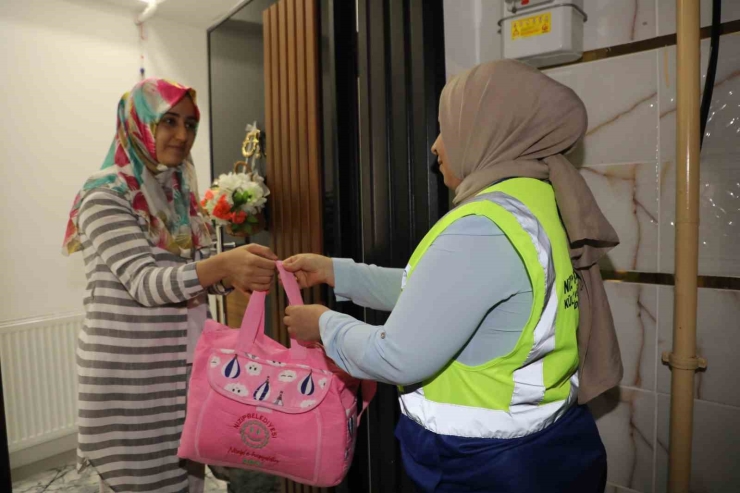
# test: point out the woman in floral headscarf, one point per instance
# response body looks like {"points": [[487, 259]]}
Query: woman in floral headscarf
{"points": [[148, 262]]}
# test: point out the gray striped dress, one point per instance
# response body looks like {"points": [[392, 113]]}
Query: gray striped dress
{"points": [[133, 349]]}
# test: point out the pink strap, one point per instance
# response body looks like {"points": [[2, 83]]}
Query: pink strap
{"points": [[253, 323], [290, 285], [369, 387]]}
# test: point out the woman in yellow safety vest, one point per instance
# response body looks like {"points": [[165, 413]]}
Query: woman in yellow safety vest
{"points": [[483, 336]]}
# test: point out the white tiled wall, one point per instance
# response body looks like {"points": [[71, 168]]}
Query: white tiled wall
{"points": [[619, 156], [667, 11], [716, 447], [616, 22], [719, 252], [636, 442], [472, 34], [626, 420], [635, 311], [624, 117], [628, 159], [717, 340]]}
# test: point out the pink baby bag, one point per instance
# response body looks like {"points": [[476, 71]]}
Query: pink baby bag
{"points": [[254, 404]]}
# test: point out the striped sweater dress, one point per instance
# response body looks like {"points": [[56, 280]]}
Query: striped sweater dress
{"points": [[133, 349]]}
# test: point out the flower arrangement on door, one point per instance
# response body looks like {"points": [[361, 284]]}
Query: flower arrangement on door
{"points": [[237, 200]]}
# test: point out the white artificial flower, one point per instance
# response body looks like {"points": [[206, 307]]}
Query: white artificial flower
{"points": [[228, 183]]}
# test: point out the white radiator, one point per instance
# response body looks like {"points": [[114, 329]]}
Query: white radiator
{"points": [[39, 383]]}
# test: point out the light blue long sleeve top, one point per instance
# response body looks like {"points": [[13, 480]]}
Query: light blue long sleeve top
{"points": [[469, 299]]}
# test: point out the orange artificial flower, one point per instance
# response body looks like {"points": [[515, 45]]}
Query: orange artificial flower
{"points": [[239, 217], [223, 209]]}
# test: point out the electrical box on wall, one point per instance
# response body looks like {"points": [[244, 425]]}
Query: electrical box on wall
{"points": [[543, 33]]}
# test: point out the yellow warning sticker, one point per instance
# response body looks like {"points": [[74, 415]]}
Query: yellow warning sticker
{"points": [[535, 25]]}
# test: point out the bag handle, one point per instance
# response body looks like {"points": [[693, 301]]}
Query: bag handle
{"points": [[369, 387], [253, 323], [290, 285]]}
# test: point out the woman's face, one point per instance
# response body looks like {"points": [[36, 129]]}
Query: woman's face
{"points": [[176, 133], [438, 149]]}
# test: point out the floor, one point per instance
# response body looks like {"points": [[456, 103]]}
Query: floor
{"points": [[67, 479]]}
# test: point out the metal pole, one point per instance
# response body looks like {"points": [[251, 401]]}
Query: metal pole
{"points": [[683, 359]]}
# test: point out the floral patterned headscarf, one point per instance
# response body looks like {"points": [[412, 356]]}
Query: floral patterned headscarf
{"points": [[168, 206]]}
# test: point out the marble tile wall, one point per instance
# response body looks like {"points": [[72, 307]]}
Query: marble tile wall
{"points": [[634, 419], [619, 156], [719, 231], [628, 158], [616, 22], [472, 35], [635, 310], [718, 339], [667, 14], [716, 447], [626, 421]]}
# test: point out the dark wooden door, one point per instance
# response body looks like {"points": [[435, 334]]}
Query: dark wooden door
{"points": [[383, 71]]}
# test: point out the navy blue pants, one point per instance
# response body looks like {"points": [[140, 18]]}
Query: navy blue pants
{"points": [[567, 457]]}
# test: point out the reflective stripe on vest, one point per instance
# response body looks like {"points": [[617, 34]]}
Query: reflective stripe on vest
{"points": [[473, 401]]}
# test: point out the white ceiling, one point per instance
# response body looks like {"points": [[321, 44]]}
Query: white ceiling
{"points": [[197, 13]]}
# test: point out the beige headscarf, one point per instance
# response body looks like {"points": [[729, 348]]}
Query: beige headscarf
{"points": [[505, 119]]}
